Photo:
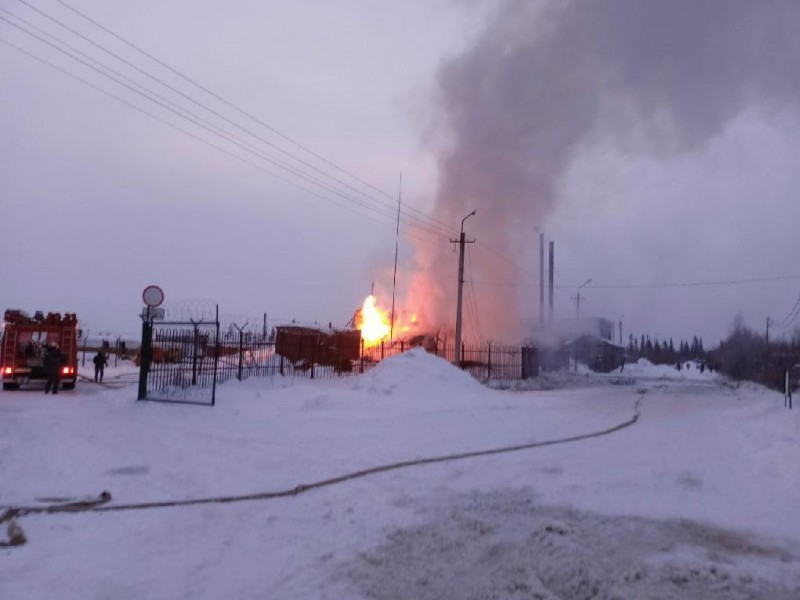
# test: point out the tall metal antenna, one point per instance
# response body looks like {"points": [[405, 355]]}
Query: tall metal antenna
{"points": [[396, 247]]}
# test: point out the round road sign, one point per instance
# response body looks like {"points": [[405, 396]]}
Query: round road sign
{"points": [[153, 296]]}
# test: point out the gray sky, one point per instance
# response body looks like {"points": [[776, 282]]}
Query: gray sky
{"points": [[655, 146]]}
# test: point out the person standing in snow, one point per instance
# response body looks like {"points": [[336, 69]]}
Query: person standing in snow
{"points": [[100, 363], [52, 362]]}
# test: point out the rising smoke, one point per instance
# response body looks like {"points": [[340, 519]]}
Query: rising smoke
{"points": [[545, 78]]}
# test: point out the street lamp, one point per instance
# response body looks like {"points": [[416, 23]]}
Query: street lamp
{"points": [[461, 242], [465, 218]]}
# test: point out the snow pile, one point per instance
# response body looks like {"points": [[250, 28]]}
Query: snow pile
{"points": [[644, 368], [417, 372]]}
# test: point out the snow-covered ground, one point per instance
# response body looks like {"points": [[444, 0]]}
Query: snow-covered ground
{"points": [[697, 499]]}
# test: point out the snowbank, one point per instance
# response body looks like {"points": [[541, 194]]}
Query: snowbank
{"points": [[414, 372], [644, 368]]}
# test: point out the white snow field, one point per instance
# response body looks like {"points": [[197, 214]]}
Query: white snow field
{"points": [[699, 498]]}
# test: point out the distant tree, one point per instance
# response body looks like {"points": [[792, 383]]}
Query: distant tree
{"points": [[741, 354], [694, 352]]}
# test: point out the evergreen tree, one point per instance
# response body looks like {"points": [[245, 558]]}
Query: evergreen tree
{"points": [[695, 350]]}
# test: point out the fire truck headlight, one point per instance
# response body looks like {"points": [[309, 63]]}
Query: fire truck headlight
{"points": [[7, 370]]}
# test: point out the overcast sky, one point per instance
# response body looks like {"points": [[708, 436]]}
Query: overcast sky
{"points": [[656, 147]]}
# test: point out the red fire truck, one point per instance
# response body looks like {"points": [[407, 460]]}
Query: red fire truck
{"points": [[25, 341]]}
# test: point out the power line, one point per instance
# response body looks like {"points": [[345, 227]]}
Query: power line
{"points": [[195, 137], [423, 221], [474, 295], [792, 315], [432, 224], [241, 111], [198, 121], [601, 286]]}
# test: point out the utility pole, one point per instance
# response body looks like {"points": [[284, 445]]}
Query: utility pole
{"points": [[396, 248], [461, 241], [578, 300], [620, 330], [768, 324], [578, 319]]}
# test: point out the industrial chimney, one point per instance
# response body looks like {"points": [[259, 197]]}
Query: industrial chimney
{"points": [[552, 261], [541, 279]]}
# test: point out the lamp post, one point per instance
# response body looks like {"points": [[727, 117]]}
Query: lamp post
{"points": [[461, 242]]}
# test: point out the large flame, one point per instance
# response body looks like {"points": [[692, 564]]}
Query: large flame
{"points": [[375, 323]]}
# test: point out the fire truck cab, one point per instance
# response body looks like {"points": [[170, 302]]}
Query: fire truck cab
{"points": [[25, 342]]}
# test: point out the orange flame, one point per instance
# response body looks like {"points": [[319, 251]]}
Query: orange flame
{"points": [[373, 322]]}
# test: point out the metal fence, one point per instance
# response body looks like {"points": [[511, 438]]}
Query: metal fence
{"points": [[483, 361], [185, 361], [243, 355], [179, 363]]}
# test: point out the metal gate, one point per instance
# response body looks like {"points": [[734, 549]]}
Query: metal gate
{"points": [[179, 362]]}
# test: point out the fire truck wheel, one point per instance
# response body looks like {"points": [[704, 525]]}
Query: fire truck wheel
{"points": [[7, 387], [68, 385]]}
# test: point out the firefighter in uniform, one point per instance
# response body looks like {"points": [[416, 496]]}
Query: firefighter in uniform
{"points": [[100, 363], [52, 367]]}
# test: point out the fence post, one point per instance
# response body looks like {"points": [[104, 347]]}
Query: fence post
{"points": [[489, 350], [361, 357], [381, 349], [313, 354], [241, 354], [216, 357], [144, 357], [402, 346], [194, 356]]}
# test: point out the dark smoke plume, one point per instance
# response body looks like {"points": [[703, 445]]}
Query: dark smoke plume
{"points": [[658, 76]]}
